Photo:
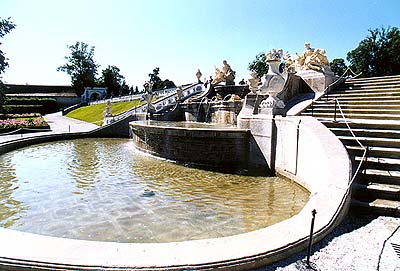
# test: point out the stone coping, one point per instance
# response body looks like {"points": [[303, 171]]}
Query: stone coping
{"points": [[25, 251], [204, 128]]}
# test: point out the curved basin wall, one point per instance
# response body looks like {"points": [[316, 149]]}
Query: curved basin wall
{"points": [[225, 149], [322, 165]]}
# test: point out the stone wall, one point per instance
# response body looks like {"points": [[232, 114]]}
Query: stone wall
{"points": [[224, 150]]}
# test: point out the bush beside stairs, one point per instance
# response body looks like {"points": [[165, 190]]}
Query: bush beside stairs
{"points": [[372, 109]]}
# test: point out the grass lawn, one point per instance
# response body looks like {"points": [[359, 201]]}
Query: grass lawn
{"points": [[94, 113]]}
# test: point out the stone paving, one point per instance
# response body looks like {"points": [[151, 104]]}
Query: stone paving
{"points": [[359, 243], [58, 124]]}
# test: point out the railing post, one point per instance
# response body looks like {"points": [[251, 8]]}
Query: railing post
{"points": [[310, 241], [334, 116], [312, 108], [327, 93]]}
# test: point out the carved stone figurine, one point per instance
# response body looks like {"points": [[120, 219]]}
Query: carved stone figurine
{"points": [[179, 92], [198, 75], [225, 74], [107, 111], [254, 81], [312, 59]]}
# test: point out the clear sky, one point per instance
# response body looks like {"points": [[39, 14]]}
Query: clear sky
{"points": [[179, 36]]}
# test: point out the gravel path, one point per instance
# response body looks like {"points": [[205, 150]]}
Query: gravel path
{"points": [[359, 243]]}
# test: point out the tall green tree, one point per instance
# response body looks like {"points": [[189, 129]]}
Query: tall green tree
{"points": [[378, 54], [112, 80], [6, 26], [154, 78], [259, 65], [81, 66], [338, 66], [158, 83]]}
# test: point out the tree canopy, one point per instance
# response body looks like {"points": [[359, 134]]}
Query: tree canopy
{"points": [[113, 80], [80, 66], [6, 26], [338, 66], [158, 83], [259, 65], [378, 54]]}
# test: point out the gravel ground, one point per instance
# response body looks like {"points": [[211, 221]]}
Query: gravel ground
{"points": [[359, 243]]}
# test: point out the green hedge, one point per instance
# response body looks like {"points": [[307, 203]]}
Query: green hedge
{"points": [[29, 101], [15, 105]]}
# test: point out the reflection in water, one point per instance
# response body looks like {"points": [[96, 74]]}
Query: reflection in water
{"points": [[103, 189], [9, 206]]}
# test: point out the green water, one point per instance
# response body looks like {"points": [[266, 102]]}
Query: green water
{"points": [[105, 190]]}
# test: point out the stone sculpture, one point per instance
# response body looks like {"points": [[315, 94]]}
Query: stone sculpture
{"points": [[225, 74], [274, 55], [107, 111], [312, 59], [274, 60], [198, 75], [289, 62], [179, 92], [254, 81]]}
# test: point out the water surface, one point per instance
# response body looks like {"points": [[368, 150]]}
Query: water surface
{"points": [[105, 190]]}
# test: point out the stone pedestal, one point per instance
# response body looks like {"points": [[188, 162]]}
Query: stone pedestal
{"points": [[251, 104], [318, 81], [226, 112]]}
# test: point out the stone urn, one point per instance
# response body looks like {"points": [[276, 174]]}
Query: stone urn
{"points": [[273, 67]]}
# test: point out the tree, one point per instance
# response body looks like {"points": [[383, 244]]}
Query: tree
{"points": [[155, 79], [158, 83], [259, 65], [112, 80], [6, 26], [338, 66], [81, 66], [124, 88], [378, 54]]}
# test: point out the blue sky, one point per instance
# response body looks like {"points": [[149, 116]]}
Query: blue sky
{"points": [[179, 36]]}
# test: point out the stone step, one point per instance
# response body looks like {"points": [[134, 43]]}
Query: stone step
{"points": [[384, 164], [375, 98], [380, 133], [330, 115], [331, 105], [347, 110], [367, 95], [390, 78], [376, 152], [373, 191], [365, 88], [370, 141], [377, 206], [379, 177], [328, 101], [363, 124]]}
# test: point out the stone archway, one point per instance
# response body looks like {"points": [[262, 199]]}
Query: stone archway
{"points": [[93, 94], [94, 97]]}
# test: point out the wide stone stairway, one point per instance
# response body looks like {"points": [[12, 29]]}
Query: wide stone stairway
{"points": [[371, 107]]}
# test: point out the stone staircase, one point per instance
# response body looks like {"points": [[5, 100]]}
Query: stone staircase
{"points": [[372, 109]]}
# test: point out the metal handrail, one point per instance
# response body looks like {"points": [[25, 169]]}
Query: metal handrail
{"points": [[365, 149], [340, 80], [337, 104]]}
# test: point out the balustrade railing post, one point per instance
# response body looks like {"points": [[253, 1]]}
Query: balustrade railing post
{"points": [[334, 116], [310, 240], [312, 108]]}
